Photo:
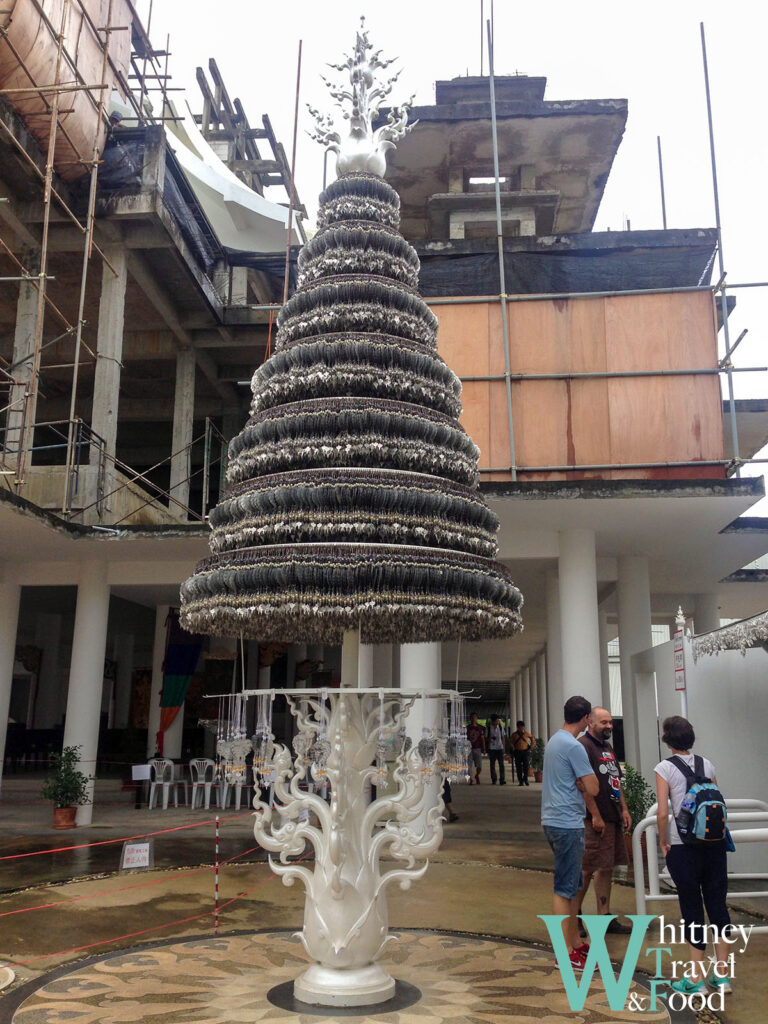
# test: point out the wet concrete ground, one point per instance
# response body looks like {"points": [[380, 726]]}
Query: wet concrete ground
{"points": [[492, 876]]}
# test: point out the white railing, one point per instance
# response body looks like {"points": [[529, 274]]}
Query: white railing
{"points": [[739, 811]]}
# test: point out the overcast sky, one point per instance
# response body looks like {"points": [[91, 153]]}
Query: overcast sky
{"points": [[649, 54]]}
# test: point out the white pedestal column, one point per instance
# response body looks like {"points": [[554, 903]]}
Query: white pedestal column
{"points": [[541, 673], [86, 672], [518, 696], [579, 628], [638, 701], [158, 657], [555, 698], [10, 596], [706, 613]]}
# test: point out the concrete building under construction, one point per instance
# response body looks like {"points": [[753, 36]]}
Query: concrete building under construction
{"points": [[143, 265]]}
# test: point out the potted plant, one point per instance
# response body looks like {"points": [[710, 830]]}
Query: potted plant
{"points": [[66, 786], [537, 758], [639, 796]]}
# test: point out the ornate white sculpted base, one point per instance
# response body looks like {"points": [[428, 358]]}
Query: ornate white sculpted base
{"points": [[332, 986], [340, 743]]}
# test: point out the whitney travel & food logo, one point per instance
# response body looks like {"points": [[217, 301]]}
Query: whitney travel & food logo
{"points": [[618, 987]]}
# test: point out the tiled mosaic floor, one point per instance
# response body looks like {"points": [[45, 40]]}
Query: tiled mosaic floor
{"points": [[463, 980]]}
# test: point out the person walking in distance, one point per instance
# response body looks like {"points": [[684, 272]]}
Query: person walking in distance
{"points": [[495, 745], [476, 737], [567, 775], [521, 744], [607, 817]]}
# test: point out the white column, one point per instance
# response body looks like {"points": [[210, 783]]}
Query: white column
{"points": [[350, 657], [542, 677], [706, 613], [10, 596], [183, 416], [605, 677], [579, 628], [156, 691], [109, 346], [533, 725], [638, 701], [174, 736], [86, 672], [526, 715], [365, 666], [48, 703], [512, 701], [421, 669], [123, 653], [21, 370], [555, 698], [518, 696], [382, 665]]}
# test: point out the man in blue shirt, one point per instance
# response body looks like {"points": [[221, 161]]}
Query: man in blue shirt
{"points": [[568, 774]]}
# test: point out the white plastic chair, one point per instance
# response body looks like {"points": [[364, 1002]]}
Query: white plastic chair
{"points": [[161, 773], [224, 793], [201, 771]]}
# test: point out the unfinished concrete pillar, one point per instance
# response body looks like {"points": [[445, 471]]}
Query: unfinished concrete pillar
{"points": [[86, 672], [183, 417], [10, 596], [20, 417], [109, 354]]}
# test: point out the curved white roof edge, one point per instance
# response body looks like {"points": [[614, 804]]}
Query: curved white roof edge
{"points": [[242, 219]]}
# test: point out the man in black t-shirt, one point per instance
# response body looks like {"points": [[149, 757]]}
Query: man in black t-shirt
{"points": [[607, 816]]}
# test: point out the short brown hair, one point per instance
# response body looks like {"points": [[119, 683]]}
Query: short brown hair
{"points": [[677, 732]]}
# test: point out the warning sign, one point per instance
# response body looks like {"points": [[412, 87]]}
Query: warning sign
{"points": [[137, 856]]}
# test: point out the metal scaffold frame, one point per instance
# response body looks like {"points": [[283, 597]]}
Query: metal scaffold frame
{"points": [[73, 434]]}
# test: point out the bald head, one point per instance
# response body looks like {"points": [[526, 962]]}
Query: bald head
{"points": [[601, 724]]}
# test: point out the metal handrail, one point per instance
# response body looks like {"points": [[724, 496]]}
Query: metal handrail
{"points": [[741, 809]]}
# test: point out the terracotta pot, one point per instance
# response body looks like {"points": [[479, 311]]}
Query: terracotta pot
{"points": [[64, 817], [537, 776]]}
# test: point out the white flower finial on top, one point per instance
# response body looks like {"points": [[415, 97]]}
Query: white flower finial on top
{"points": [[363, 149]]}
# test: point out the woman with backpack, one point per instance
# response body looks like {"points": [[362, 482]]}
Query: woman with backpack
{"points": [[696, 862]]}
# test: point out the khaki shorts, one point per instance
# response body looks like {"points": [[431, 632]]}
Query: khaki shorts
{"points": [[602, 852]]}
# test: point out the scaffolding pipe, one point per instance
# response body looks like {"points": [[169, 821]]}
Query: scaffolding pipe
{"points": [[286, 282], [613, 465], [720, 258], [87, 252], [605, 374], [21, 464], [661, 185], [500, 248]]}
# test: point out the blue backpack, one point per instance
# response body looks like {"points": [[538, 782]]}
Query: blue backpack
{"points": [[702, 817]]}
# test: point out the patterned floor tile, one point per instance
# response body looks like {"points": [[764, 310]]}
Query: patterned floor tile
{"points": [[463, 980]]}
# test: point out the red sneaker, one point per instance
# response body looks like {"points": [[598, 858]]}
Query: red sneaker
{"points": [[578, 959]]}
